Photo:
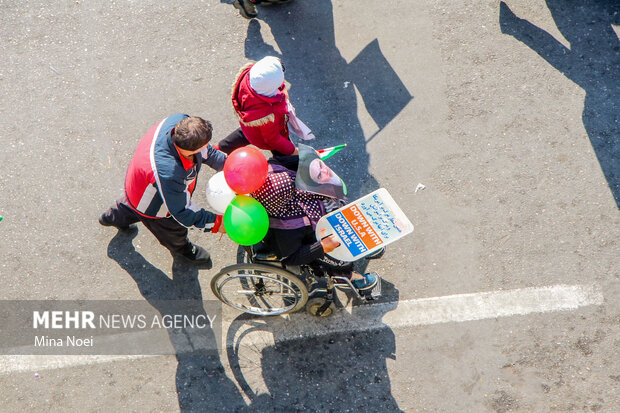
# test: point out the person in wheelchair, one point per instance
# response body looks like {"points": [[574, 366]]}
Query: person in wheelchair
{"points": [[293, 215]]}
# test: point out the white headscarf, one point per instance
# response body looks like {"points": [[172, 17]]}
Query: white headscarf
{"points": [[266, 76]]}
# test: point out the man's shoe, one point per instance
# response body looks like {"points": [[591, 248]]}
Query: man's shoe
{"points": [[367, 283], [197, 255], [246, 8], [103, 220]]}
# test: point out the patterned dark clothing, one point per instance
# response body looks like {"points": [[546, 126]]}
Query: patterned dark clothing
{"points": [[288, 207], [293, 215]]}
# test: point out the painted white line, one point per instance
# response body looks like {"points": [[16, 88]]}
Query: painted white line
{"points": [[406, 313], [435, 310], [469, 307], [17, 364]]}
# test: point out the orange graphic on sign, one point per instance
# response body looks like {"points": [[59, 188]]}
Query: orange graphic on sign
{"points": [[362, 228]]}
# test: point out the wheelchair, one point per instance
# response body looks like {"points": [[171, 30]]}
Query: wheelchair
{"points": [[261, 284]]}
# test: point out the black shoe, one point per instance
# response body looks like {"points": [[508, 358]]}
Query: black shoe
{"points": [[103, 220], [197, 255], [246, 8]]}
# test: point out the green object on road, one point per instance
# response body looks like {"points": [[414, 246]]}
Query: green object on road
{"points": [[1, 218]]}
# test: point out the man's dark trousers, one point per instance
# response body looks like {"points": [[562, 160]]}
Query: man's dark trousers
{"points": [[168, 231]]}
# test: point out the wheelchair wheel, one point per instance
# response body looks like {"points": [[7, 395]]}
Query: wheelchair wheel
{"points": [[314, 304], [259, 289]]}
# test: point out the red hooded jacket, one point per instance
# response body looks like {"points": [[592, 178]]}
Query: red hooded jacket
{"points": [[263, 119]]}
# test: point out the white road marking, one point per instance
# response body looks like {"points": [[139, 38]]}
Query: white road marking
{"points": [[435, 310], [406, 313], [16, 364]]}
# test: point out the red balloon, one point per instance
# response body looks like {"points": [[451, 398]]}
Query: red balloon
{"points": [[245, 170]]}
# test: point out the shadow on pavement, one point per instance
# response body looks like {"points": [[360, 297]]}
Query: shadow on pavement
{"points": [[592, 62], [322, 83], [336, 372], [202, 384]]}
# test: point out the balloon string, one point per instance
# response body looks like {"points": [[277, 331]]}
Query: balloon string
{"points": [[221, 235]]}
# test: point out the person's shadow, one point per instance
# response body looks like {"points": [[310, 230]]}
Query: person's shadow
{"points": [[323, 83], [592, 62], [336, 372], [202, 384]]}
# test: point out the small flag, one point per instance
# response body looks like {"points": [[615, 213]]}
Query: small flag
{"points": [[329, 152]]}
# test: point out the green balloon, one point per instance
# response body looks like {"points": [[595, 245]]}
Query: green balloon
{"points": [[246, 221]]}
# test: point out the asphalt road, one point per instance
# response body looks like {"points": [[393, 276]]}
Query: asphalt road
{"points": [[507, 114]]}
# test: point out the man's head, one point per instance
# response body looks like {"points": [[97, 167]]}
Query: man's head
{"points": [[192, 134]]}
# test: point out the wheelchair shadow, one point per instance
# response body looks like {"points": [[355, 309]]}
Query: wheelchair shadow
{"points": [[336, 372], [202, 384], [592, 62], [322, 83]]}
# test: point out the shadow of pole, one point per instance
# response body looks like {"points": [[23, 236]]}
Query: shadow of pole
{"points": [[592, 62]]}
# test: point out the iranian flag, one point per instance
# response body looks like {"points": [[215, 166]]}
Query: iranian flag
{"points": [[329, 152]]}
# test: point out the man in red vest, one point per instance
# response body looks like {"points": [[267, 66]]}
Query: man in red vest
{"points": [[160, 181]]}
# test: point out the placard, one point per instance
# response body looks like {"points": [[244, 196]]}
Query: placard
{"points": [[364, 226]]}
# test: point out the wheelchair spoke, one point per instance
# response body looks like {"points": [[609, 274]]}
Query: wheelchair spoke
{"points": [[259, 289]]}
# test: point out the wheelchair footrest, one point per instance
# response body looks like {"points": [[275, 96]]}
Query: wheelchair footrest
{"points": [[344, 284]]}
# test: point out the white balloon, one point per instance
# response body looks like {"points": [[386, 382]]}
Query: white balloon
{"points": [[219, 193]]}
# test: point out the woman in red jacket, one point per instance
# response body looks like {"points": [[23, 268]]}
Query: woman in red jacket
{"points": [[260, 101]]}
